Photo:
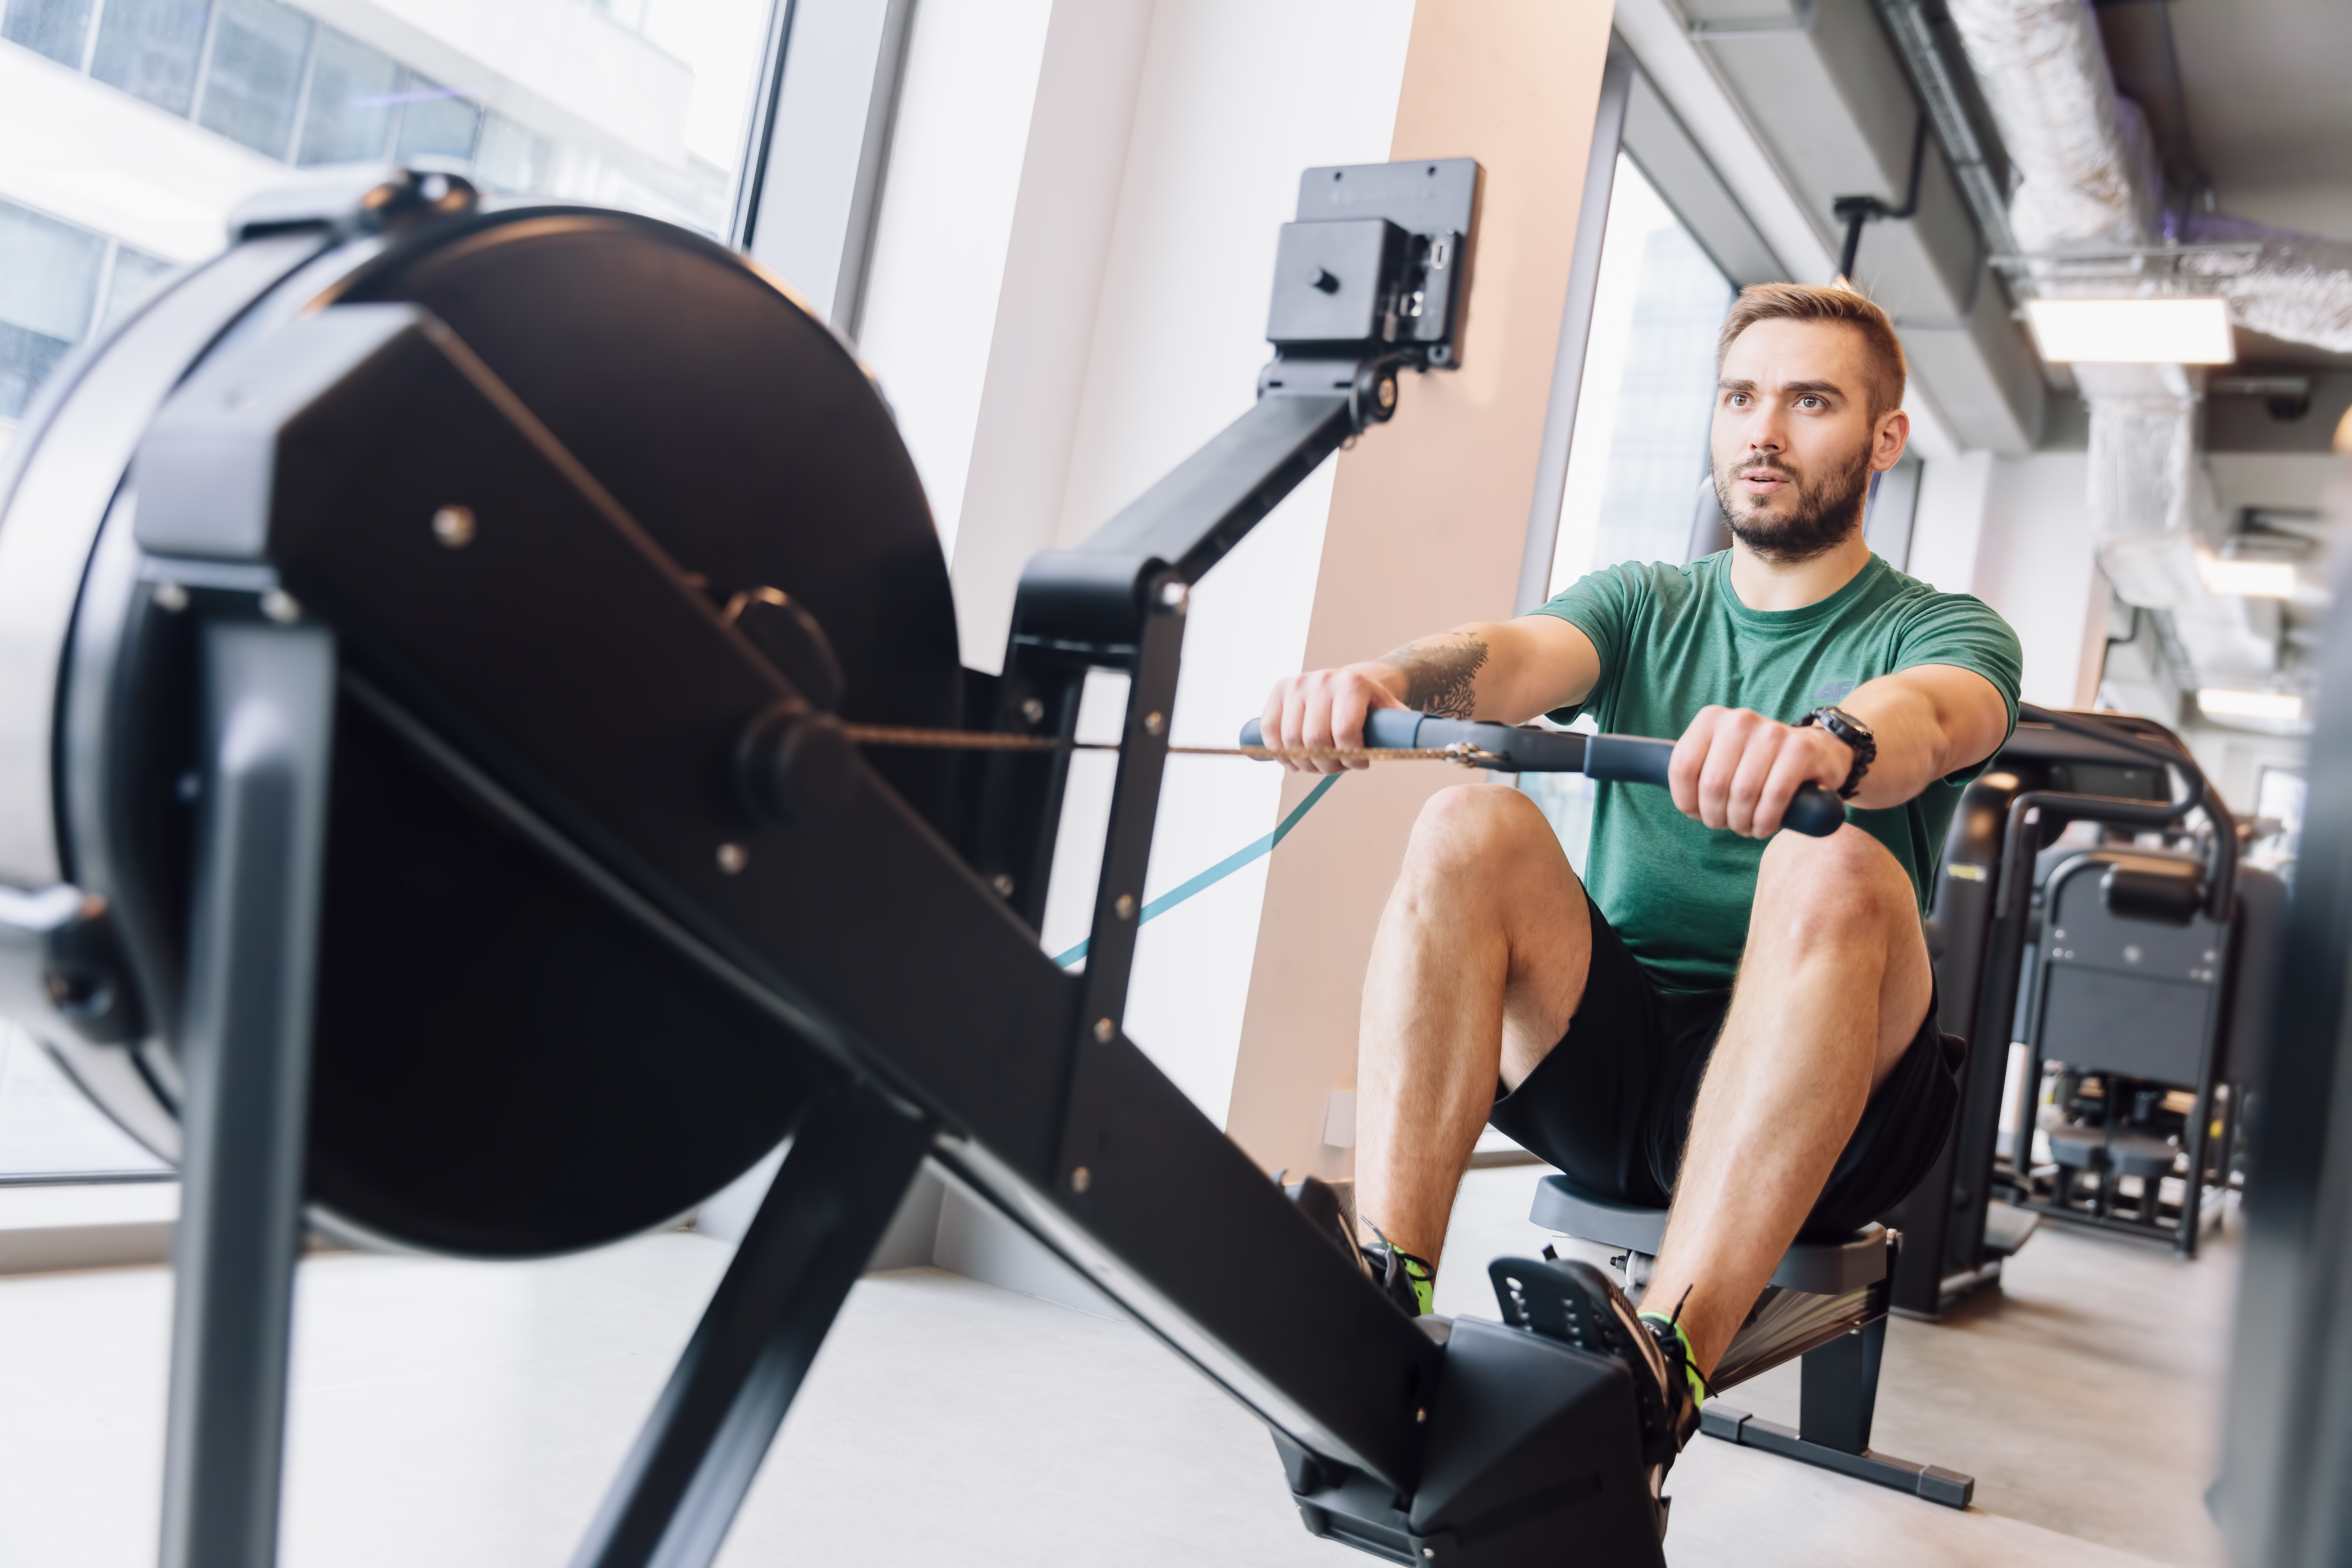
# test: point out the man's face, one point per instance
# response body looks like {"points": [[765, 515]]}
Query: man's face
{"points": [[1794, 443]]}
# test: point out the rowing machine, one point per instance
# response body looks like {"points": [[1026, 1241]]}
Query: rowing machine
{"points": [[426, 629]]}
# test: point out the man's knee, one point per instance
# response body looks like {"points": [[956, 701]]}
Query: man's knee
{"points": [[1834, 891], [1471, 829]]}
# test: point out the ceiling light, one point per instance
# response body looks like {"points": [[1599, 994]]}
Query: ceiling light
{"points": [[2132, 332], [2253, 579], [2222, 703]]}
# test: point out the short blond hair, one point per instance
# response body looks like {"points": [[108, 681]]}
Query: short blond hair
{"points": [[1805, 302]]}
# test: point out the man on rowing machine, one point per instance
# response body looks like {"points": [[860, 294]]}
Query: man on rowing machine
{"points": [[1737, 1021]]}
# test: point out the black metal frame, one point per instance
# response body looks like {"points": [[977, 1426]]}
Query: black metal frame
{"points": [[841, 1181], [1837, 1400], [245, 1050], [264, 488]]}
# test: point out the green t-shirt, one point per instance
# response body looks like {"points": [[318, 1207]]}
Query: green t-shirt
{"points": [[1674, 639]]}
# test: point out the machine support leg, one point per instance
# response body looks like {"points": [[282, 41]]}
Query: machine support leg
{"points": [[1839, 1389], [246, 1050], [1839, 1392], [841, 1183]]}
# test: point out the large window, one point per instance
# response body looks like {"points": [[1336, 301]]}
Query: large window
{"points": [[129, 129], [48, 1127], [1637, 463], [1638, 487], [58, 283]]}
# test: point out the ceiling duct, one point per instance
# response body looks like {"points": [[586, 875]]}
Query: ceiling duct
{"points": [[2090, 189], [2293, 286], [2088, 197], [2044, 73]]}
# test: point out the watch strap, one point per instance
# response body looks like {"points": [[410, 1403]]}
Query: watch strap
{"points": [[1857, 738]]}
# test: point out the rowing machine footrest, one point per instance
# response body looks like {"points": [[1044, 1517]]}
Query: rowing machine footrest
{"points": [[1531, 1442]]}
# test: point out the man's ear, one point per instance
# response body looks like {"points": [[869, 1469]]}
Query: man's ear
{"points": [[1888, 440]]}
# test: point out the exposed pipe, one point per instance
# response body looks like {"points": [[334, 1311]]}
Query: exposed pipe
{"points": [[1982, 169], [1856, 211], [2044, 73], [2090, 179]]}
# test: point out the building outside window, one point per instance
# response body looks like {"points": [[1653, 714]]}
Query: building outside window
{"points": [[130, 129], [1637, 461]]}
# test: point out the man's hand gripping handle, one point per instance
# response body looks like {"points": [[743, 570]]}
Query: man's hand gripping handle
{"points": [[1511, 748]]}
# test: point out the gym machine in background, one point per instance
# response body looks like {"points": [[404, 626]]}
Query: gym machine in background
{"points": [[427, 809], [2137, 960]]}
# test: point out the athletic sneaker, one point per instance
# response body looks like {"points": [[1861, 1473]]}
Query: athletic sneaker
{"points": [[1405, 1280], [1577, 1303]]}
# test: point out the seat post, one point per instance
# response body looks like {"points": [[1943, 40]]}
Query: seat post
{"points": [[1839, 1390]]}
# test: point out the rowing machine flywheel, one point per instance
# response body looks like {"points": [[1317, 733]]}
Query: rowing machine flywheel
{"points": [[502, 1066]]}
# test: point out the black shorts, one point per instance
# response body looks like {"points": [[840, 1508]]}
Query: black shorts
{"points": [[1611, 1106]]}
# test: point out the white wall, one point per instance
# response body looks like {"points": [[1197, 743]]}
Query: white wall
{"points": [[1949, 522], [2034, 564], [2016, 532], [1068, 298], [940, 245], [1035, 382], [1236, 99]]}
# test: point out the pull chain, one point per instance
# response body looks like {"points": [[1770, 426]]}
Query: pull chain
{"points": [[991, 741]]}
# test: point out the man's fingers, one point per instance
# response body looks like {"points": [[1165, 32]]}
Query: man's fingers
{"points": [[1725, 751], [1319, 728], [1348, 706], [1294, 719], [1802, 759], [1269, 720], [1789, 771], [1756, 760], [1689, 761]]}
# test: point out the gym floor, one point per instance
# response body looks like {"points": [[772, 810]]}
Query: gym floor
{"points": [[468, 1414]]}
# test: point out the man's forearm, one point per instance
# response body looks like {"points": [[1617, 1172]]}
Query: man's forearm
{"points": [[1928, 722], [1506, 672], [1441, 673]]}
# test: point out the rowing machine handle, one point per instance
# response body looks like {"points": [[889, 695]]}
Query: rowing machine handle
{"points": [[1635, 759], [1625, 759]]}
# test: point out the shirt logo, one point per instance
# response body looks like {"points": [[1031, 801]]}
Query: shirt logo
{"points": [[1831, 690]]}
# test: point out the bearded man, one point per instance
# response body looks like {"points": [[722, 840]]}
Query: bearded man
{"points": [[1733, 1019]]}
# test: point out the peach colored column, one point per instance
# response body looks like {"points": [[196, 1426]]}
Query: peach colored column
{"points": [[1427, 522]]}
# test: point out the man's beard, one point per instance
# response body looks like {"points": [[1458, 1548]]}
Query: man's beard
{"points": [[1827, 509]]}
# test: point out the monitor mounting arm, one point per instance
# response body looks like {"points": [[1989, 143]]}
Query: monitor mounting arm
{"points": [[1370, 280]]}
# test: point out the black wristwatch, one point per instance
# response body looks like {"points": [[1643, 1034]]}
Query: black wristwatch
{"points": [[1855, 734]]}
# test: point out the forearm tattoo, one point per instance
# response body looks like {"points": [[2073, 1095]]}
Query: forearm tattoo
{"points": [[1439, 673]]}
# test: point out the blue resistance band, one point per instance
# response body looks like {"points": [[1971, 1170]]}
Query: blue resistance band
{"points": [[1221, 870]]}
